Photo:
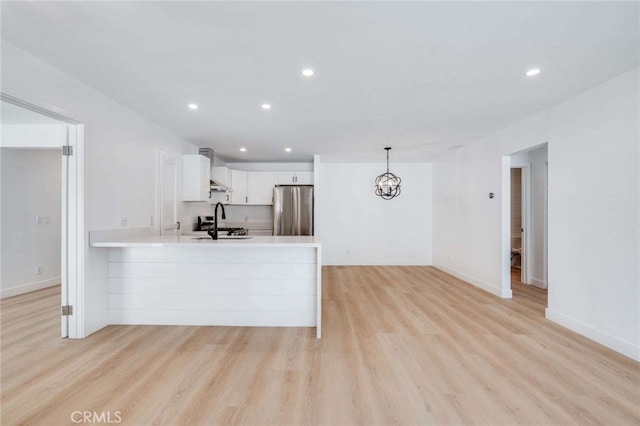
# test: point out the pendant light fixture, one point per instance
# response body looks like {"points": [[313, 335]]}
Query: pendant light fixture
{"points": [[388, 184]]}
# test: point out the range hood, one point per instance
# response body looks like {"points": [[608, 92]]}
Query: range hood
{"points": [[213, 186], [218, 187]]}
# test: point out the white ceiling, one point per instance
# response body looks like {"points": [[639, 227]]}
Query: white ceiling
{"points": [[420, 77]]}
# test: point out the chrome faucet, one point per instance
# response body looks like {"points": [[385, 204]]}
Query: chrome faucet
{"points": [[213, 233]]}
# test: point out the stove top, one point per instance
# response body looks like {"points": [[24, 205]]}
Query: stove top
{"points": [[207, 222], [233, 231]]}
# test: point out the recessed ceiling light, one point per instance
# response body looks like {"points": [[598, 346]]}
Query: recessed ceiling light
{"points": [[193, 106], [287, 149], [532, 72], [307, 72], [266, 106], [243, 149]]}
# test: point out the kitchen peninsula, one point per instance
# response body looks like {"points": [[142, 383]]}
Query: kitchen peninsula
{"points": [[186, 280]]}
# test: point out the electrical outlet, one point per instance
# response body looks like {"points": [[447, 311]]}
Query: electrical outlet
{"points": [[348, 251], [47, 220], [123, 221], [152, 221], [38, 269]]}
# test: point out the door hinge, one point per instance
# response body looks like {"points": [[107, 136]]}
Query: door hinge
{"points": [[67, 150], [67, 310]]}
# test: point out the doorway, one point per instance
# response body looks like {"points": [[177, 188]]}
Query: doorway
{"points": [[519, 198], [42, 222], [527, 230]]}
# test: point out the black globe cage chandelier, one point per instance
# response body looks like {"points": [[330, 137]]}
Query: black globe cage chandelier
{"points": [[388, 184]]}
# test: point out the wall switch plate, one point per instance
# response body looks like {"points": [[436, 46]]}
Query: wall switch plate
{"points": [[38, 269], [38, 220], [47, 220]]}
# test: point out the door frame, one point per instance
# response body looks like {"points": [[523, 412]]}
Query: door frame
{"points": [[506, 220], [72, 221]]}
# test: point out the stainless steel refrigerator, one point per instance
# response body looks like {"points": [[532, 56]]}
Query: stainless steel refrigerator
{"points": [[293, 210]]}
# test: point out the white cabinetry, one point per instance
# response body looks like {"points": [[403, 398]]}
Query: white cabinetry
{"points": [[221, 175], [195, 177], [260, 187], [295, 178], [239, 193], [252, 188]]}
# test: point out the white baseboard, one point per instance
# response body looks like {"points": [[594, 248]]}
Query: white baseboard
{"points": [[375, 262], [612, 342], [27, 288], [538, 283], [496, 291]]}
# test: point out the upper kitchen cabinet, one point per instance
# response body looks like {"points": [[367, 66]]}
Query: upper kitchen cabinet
{"points": [[196, 172], [260, 187], [239, 193], [221, 181], [295, 178], [221, 175], [252, 188]]}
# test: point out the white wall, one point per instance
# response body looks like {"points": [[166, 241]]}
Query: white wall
{"points": [[536, 159], [358, 228], [31, 186], [120, 158], [466, 222], [33, 135], [593, 210]]}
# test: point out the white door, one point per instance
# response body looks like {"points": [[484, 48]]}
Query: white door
{"points": [[168, 194]]}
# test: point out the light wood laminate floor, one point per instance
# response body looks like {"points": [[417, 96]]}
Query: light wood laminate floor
{"points": [[520, 290], [401, 345]]}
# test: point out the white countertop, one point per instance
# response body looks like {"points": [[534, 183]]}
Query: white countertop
{"points": [[191, 240]]}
